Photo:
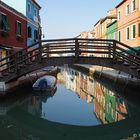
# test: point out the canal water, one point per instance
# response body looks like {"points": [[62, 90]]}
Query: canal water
{"points": [[79, 108]]}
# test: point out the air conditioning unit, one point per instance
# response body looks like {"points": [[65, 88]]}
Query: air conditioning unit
{"points": [[35, 19]]}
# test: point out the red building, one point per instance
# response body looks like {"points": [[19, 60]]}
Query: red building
{"points": [[13, 27]]}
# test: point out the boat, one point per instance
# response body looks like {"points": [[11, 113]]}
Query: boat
{"points": [[45, 83]]}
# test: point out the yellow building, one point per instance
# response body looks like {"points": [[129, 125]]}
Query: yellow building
{"points": [[104, 23], [101, 26]]}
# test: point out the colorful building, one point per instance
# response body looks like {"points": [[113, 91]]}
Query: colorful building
{"points": [[98, 29], [33, 24], [101, 26], [112, 30], [128, 15], [13, 31], [104, 23], [29, 8]]}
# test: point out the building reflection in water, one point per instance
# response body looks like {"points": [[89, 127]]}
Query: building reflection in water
{"points": [[108, 107], [21, 117]]}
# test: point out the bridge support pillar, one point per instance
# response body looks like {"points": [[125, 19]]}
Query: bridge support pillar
{"points": [[6, 87], [138, 72], [40, 52]]}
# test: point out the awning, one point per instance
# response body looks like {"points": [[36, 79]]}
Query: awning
{"points": [[135, 48]]}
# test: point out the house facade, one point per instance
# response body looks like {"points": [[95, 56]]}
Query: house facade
{"points": [[112, 30], [104, 23], [33, 24], [98, 29], [30, 9], [13, 31], [128, 16]]}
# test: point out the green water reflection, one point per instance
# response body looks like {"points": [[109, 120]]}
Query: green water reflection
{"points": [[22, 116]]}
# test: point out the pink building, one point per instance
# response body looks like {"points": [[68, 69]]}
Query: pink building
{"points": [[128, 16]]}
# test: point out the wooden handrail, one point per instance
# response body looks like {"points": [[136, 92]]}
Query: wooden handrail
{"points": [[75, 46]]}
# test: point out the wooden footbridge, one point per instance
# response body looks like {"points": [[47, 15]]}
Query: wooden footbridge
{"points": [[109, 53]]}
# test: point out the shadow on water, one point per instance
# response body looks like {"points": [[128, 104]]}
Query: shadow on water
{"points": [[20, 119]]}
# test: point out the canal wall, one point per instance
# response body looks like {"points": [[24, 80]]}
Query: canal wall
{"points": [[24, 81], [112, 77], [119, 83]]}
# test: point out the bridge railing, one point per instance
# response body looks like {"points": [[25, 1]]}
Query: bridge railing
{"points": [[72, 47]]}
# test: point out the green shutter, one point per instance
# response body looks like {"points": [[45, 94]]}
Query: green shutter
{"points": [[139, 29], [134, 31], [119, 36], [128, 34]]}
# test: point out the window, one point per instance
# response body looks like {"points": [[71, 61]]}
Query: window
{"points": [[133, 5], [35, 12], [119, 37], [134, 31], [35, 34], [127, 9], [127, 33], [119, 15], [139, 29], [19, 28], [29, 7], [4, 23], [29, 32]]}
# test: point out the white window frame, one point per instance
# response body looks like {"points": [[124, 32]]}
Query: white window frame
{"points": [[133, 10], [36, 13], [119, 15], [29, 4], [139, 5], [129, 33], [17, 28], [132, 30], [127, 9]]}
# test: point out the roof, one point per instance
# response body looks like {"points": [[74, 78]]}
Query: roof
{"points": [[36, 4], [12, 9], [120, 3], [109, 17], [111, 23], [103, 19], [98, 21]]}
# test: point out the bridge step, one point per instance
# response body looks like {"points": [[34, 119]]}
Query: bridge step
{"points": [[29, 63], [126, 64], [133, 67], [119, 61], [22, 65], [11, 71], [1, 77], [5, 74]]}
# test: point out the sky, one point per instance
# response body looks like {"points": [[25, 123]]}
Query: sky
{"points": [[68, 18]]}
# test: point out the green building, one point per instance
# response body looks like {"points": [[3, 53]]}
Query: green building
{"points": [[112, 30]]}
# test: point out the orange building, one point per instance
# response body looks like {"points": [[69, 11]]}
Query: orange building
{"points": [[104, 24], [128, 16]]}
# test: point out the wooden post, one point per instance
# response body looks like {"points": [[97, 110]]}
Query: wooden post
{"points": [[47, 50], [16, 62], [114, 51], [109, 50], [76, 48], [40, 46]]}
